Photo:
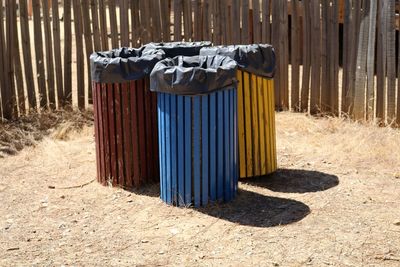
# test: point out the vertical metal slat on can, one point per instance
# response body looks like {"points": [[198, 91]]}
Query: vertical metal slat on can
{"points": [[181, 151], [204, 150], [174, 155], [213, 148], [196, 151], [188, 148]]}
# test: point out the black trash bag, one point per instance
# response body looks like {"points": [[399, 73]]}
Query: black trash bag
{"points": [[123, 64], [258, 59], [193, 75], [174, 49]]}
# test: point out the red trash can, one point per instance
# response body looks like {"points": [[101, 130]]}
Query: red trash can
{"points": [[125, 117]]}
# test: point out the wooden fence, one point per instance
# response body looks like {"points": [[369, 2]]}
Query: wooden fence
{"points": [[333, 56]]}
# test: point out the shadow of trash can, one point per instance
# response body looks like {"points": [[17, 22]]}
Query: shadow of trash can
{"points": [[197, 125], [256, 106], [125, 116]]}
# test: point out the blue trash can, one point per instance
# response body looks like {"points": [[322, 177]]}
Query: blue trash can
{"points": [[197, 124]]}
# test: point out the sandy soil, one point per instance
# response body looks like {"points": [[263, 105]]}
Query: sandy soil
{"points": [[334, 202]]}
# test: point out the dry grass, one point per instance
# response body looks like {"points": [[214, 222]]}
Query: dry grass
{"points": [[31, 129], [334, 202]]}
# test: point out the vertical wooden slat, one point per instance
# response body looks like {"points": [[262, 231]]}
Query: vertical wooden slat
{"points": [[266, 26], [295, 55], [261, 124], [49, 54], [275, 38], [213, 147], [95, 24], [148, 115], [57, 53], [325, 64], [371, 60], [177, 20], [315, 58], [333, 56], [196, 133], [346, 53], [196, 7], [119, 133], [80, 67], [381, 61], [206, 20], [241, 125], [391, 61], [156, 20], [4, 110], [135, 23], [124, 22], [39, 53], [204, 150], [165, 20], [142, 129], [359, 109], [248, 127], [9, 58], [67, 53], [16, 62], [187, 20], [255, 125], [244, 36], [112, 9], [256, 22], [26, 49], [134, 129], [127, 138], [235, 22], [111, 134], [87, 33], [145, 22], [305, 88], [174, 145], [103, 24]]}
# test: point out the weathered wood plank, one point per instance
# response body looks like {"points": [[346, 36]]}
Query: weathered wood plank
{"points": [[4, 109], [124, 22], [391, 61], [95, 24], [178, 20], [256, 22], [371, 60], [17, 63], [49, 54], [295, 55], [359, 110], [266, 24], [112, 10], [284, 83], [235, 22], [206, 20], [27, 55], [333, 55], [315, 58], [381, 61], [103, 24], [244, 36], [80, 69], [67, 54], [57, 53], [325, 64], [165, 20], [276, 35], [135, 23], [87, 33], [305, 88], [37, 27]]}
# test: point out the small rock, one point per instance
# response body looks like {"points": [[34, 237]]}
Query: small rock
{"points": [[144, 241], [397, 175], [161, 252], [62, 196], [397, 223]]}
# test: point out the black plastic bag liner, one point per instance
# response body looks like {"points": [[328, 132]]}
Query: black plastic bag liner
{"points": [[174, 49], [123, 64], [193, 75], [258, 59]]}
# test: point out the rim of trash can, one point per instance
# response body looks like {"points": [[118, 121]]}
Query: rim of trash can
{"points": [[173, 49], [258, 59], [123, 64], [196, 75]]}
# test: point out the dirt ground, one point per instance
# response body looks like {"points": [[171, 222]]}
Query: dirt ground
{"points": [[334, 202]]}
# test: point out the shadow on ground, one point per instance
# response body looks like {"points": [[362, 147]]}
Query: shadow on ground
{"points": [[295, 181], [253, 209]]}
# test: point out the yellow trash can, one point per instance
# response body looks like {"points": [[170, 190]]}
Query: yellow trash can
{"points": [[256, 106]]}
